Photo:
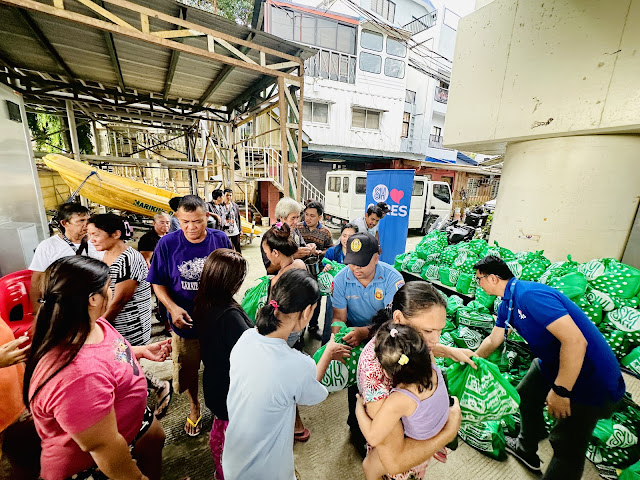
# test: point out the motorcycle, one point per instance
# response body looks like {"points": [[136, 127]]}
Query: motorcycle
{"points": [[462, 232]]}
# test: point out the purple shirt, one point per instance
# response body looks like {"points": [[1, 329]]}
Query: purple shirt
{"points": [[177, 264]]}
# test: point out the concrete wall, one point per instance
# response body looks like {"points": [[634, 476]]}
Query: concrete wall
{"points": [[525, 70], [570, 195]]}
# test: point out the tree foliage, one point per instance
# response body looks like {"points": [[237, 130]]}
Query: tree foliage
{"points": [[49, 134], [239, 11]]}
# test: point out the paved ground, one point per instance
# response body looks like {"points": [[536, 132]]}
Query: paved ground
{"points": [[328, 455]]}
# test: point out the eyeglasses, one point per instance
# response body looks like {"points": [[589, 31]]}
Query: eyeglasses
{"points": [[483, 276]]}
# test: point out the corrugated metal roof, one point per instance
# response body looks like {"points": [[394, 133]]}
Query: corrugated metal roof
{"points": [[144, 65]]}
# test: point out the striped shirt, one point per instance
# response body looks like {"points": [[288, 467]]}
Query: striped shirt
{"points": [[134, 320]]}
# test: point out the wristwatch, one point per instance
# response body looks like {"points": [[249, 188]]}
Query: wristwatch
{"points": [[561, 391]]}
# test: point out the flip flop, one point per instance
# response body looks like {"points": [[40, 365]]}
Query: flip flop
{"points": [[161, 401], [194, 425], [302, 436]]}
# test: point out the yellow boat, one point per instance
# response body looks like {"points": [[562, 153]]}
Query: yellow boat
{"points": [[117, 192]]}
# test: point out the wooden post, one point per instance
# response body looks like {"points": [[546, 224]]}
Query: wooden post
{"points": [[73, 132], [299, 155], [230, 164], [203, 137], [284, 152]]}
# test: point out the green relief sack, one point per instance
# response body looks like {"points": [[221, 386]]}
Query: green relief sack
{"points": [[486, 437], [339, 375], [594, 312], [596, 297], [397, 263], [625, 319], [484, 298], [618, 342], [535, 269], [592, 269], [630, 473], [454, 302], [449, 254], [473, 319], [417, 266], [406, 260], [573, 284], [413, 258], [632, 361], [465, 261], [448, 276], [325, 282], [618, 279], [464, 337], [504, 253], [515, 267], [558, 269], [477, 246], [255, 298], [615, 432], [463, 285], [431, 273], [484, 394]]}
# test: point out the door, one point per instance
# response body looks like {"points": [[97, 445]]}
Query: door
{"points": [[332, 194], [418, 197], [439, 200], [345, 197]]}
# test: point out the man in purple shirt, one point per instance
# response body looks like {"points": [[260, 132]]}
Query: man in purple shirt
{"points": [[175, 275]]}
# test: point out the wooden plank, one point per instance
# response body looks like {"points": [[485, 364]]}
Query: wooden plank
{"points": [[178, 33], [278, 66], [292, 104], [235, 51], [58, 4], [299, 151], [284, 154], [263, 59], [190, 25], [137, 34], [144, 23], [211, 44], [105, 13]]}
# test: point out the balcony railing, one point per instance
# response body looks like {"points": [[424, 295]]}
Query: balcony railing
{"points": [[441, 95], [435, 141], [421, 24], [333, 65]]}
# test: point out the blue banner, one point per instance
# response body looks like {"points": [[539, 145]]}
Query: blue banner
{"points": [[393, 187]]}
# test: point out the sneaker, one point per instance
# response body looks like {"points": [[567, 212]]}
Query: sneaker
{"points": [[529, 460]]}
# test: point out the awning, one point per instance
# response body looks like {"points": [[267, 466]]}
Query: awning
{"points": [[465, 160], [439, 160]]}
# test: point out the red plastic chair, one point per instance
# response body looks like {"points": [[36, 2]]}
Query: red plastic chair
{"points": [[15, 306]]}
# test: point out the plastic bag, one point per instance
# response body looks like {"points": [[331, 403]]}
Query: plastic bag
{"points": [[630, 473], [573, 284], [484, 298], [454, 302], [432, 272], [339, 375], [486, 437], [484, 394], [255, 298], [618, 279], [465, 261], [464, 337], [632, 360], [448, 276], [397, 262], [463, 285], [471, 318]]}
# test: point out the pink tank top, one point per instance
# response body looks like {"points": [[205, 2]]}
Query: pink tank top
{"points": [[431, 413]]}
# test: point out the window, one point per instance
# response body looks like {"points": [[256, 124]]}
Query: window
{"points": [[396, 47], [495, 183], [345, 184], [418, 189], [316, 112], [370, 63], [393, 68], [313, 30], [406, 120], [410, 97], [371, 40], [363, 118], [441, 192], [437, 131], [361, 185], [384, 8], [334, 184], [472, 187]]}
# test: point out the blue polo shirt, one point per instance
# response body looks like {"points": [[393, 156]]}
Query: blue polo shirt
{"points": [[535, 307], [362, 303]]}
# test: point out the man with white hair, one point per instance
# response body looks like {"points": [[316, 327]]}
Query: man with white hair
{"points": [[288, 211], [148, 241]]}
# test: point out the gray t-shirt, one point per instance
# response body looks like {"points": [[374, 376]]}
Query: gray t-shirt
{"points": [[267, 380], [362, 226]]}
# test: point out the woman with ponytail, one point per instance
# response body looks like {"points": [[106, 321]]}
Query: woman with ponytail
{"points": [[268, 380], [84, 385], [129, 310]]}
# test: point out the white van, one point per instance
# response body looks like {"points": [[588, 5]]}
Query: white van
{"points": [[345, 194]]}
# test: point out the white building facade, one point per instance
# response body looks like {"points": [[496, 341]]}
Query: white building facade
{"points": [[377, 89]]}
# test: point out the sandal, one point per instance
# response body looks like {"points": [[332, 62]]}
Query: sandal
{"points": [[196, 425], [163, 402], [302, 436]]}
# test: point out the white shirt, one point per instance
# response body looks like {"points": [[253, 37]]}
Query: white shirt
{"points": [[268, 379], [53, 248], [362, 226]]}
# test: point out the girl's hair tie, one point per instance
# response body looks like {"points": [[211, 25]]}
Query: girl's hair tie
{"points": [[403, 360], [393, 332], [274, 304]]}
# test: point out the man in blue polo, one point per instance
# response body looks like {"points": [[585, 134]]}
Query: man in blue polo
{"points": [[368, 285], [575, 374]]}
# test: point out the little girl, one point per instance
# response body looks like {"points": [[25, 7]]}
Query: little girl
{"points": [[268, 380], [419, 397]]}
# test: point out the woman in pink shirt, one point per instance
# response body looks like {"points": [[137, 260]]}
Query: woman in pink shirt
{"points": [[83, 383]]}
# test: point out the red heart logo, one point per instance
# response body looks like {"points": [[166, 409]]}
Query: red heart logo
{"points": [[396, 195]]}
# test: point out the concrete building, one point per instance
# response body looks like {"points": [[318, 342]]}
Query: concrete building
{"points": [[376, 92]]}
